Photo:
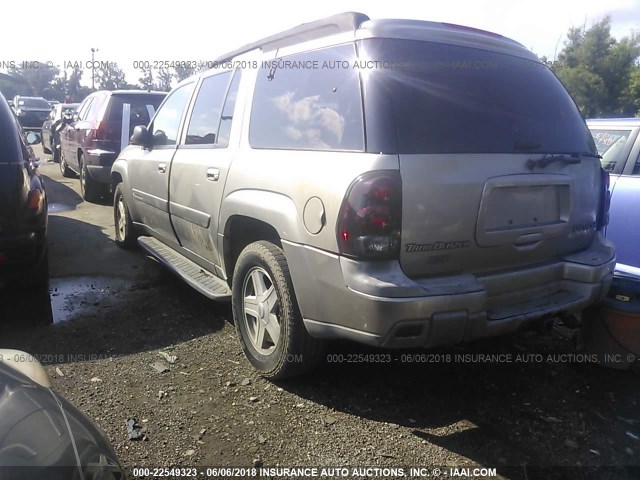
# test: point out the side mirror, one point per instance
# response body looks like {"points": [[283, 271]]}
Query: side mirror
{"points": [[33, 138], [141, 137]]}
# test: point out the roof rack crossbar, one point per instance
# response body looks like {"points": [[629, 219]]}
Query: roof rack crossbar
{"points": [[342, 22]]}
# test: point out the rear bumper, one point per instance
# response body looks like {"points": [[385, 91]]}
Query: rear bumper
{"points": [[376, 304], [99, 164]]}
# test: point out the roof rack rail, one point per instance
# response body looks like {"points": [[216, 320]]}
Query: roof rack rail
{"points": [[342, 22]]}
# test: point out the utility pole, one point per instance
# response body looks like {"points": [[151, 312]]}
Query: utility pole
{"points": [[93, 68]]}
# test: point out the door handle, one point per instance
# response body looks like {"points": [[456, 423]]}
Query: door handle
{"points": [[213, 174], [162, 168]]}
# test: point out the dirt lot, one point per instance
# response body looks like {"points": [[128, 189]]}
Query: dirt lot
{"points": [[524, 407]]}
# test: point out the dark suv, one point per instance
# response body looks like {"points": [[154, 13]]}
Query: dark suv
{"points": [[31, 111], [102, 127], [23, 208]]}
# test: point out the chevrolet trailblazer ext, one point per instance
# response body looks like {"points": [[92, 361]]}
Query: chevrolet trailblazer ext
{"points": [[450, 192]]}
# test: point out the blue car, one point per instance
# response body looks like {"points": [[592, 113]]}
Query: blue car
{"points": [[618, 141]]}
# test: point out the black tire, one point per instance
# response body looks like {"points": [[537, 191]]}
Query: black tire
{"points": [[294, 351], [64, 168], [126, 232], [45, 149], [90, 189]]}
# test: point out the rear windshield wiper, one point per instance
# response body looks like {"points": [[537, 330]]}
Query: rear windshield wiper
{"points": [[567, 158]]}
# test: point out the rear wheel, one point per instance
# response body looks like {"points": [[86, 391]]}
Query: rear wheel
{"points": [[267, 317], [90, 189], [126, 234], [64, 168], [45, 149]]}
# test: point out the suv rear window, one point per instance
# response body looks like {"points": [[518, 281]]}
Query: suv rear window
{"points": [[39, 103], [140, 109], [442, 98]]}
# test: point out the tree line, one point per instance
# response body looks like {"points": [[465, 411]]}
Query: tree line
{"points": [[53, 84], [601, 73]]}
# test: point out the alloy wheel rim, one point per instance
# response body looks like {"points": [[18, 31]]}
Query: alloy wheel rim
{"points": [[122, 219], [260, 311]]}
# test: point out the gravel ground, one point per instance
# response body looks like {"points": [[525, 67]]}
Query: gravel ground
{"points": [[209, 408]]}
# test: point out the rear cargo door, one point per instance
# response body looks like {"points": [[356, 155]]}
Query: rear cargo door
{"points": [[497, 165], [460, 218]]}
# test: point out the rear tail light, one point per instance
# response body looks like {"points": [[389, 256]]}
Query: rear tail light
{"points": [[101, 132], [370, 219], [35, 201], [605, 200]]}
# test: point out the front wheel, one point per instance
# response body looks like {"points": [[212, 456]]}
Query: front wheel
{"points": [[126, 234], [267, 317]]}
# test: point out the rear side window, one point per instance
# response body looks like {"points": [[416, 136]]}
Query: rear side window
{"points": [[308, 102], [128, 111], [84, 107], [227, 111], [95, 108], [610, 144], [207, 111], [441, 98]]}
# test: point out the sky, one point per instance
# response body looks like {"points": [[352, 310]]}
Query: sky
{"points": [[130, 31]]}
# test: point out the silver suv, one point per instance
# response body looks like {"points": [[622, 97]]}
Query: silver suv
{"points": [[397, 183]]}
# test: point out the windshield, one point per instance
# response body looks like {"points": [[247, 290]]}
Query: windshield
{"points": [[610, 144], [39, 103], [450, 99]]}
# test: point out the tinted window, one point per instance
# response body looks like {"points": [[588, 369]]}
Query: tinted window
{"points": [[442, 98], [84, 106], [636, 168], [207, 111], [298, 104], [227, 112], [38, 103], [139, 110], [167, 121], [610, 144], [94, 108]]}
